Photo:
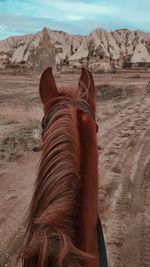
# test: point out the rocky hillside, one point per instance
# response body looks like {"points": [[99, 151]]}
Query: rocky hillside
{"points": [[101, 50]]}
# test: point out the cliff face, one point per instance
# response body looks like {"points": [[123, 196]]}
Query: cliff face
{"points": [[100, 49]]}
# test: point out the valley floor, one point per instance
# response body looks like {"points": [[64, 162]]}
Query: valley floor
{"points": [[124, 163]]}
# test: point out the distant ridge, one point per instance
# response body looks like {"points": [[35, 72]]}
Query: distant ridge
{"points": [[100, 49]]}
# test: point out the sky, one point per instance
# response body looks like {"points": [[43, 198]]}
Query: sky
{"points": [[18, 17]]}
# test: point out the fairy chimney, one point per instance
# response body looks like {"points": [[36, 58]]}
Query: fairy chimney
{"points": [[44, 55]]}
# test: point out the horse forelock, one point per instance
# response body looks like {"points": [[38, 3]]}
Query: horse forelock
{"points": [[69, 92]]}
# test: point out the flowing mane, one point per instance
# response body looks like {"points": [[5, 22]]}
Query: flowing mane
{"points": [[61, 225]]}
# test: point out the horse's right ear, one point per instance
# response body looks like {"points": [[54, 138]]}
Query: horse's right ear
{"points": [[87, 87], [48, 89]]}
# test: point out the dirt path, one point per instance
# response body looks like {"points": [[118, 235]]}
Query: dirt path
{"points": [[125, 185], [16, 187]]}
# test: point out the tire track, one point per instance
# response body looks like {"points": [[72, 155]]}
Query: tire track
{"points": [[125, 193]]}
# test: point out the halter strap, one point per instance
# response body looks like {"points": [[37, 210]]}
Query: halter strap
{"points": [[81, 105]]}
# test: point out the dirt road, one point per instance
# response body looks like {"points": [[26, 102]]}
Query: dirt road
{"points": [[125, 184], [16, 189], [124, 170]]}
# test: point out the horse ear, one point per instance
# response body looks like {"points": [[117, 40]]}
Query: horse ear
{"points": [[87, 87], [47, 89]]}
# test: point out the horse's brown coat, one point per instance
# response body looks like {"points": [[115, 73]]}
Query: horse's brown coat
{"points": [[62, 218]]}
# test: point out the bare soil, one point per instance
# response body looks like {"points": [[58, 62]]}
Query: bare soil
{"points": [[123, 115]]}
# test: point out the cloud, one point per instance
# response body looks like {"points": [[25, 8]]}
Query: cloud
{"points": [[60, 9], [77, 17], [12, 25], [84, 9]]}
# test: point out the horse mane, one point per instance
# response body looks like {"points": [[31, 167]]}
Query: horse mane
{"points": [[62, 218], [53, 217]]}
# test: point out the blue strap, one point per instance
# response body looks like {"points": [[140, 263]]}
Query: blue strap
{"points": [[101, 245]]}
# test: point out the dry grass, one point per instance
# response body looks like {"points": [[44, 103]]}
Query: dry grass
{"points": [[18, 141], [20, 130], [10, 114]]}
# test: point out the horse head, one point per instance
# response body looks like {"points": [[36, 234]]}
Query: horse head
{"points": [[62, 219]]}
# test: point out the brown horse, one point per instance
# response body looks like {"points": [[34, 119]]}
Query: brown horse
{"points": [[63, 215]]}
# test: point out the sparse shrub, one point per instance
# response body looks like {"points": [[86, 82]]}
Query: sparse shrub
{"points": [[107, 92], [136, 76], [17, 143], [116, 169]]}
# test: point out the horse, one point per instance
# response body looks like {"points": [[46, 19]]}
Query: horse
{"points": [[62, 223]]}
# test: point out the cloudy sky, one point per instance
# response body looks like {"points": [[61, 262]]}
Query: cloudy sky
{"points": [[76, 17]]}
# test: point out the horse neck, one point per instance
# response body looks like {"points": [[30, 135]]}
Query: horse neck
{"points": [[89, 194], [64, 204]]}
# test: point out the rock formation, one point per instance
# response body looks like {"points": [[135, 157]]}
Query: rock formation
{"points": [[141, 54], [43, 56], [100, 50]]}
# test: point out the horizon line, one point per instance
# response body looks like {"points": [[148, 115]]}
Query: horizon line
{"points": [[75, 34]]}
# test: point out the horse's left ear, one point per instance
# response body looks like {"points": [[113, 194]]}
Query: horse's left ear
{"points": [[87, 87], [47, 89]]}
